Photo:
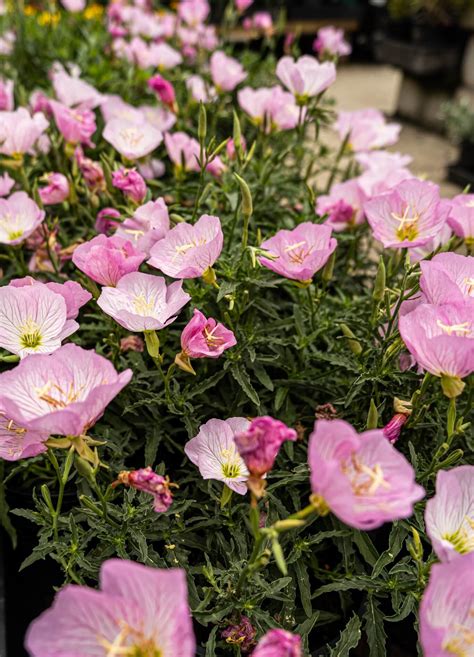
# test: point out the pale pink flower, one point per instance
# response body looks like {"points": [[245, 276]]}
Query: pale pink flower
{"points": [[62, 393], [261, 21], [440, 239], [130, 182], [374, 182], [6, 95], [148, 481], [446, 618], [384, 161], [159, 117], [270, 107], [19, 443], [441, 339], [163, 89], [361, 478], [216, 167], [199, 89], [204, 337], [19, 132], [408, 216], [92, 171], [183, 151], [330, 42], [33, 320], [149, 224], [305, 77], [449, 515], [143, 302], [187, 250], [366, 129], [163, 56], [19, 218], [260, 443], [278, 643], [73, 294], [76, 125], [6, 184], [138, 609], [114, 107], [132, 140], [152, 169], [214, 452], [226, 72], [193, 12], [74, 6], [299, 253], [107, 259], [72, 91], [7, 41], [343, 204], [461, 216], [56, 191], [242, 5], [447, 278], [230, 149], [106, 222], [39, 102]]}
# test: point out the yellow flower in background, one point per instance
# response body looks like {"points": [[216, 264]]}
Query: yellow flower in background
{"points": [[93, 12], [47, 18], [30, 10]]}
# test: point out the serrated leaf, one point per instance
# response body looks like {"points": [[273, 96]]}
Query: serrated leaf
{"points": [[374, 628], [241, 376], [211, 643], [349, 638], [303, 585], [262, 375]]}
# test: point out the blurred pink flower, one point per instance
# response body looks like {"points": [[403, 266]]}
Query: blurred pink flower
{"points": [[132, 343], [270, 107], [216, 167], [214, 452], [384, 161], [162, 56], [205, 338], [74, 6], [408, 216], [278, 643], [143, 302], [242, 5], [187, 250], [138, 610], [106, 259], [299, 253], [73, 294], [261, 21], [62, 393], [132, 140], [130, 182], [114, 107], [199, 89], [72, 91], [147, 481], [447, 278], [330, 42], [106, 223], [305, 77], [164, 90], [183, 151], [159, 117], [56, 191], [343, 204], [226, 72], [92, 171], [361, 478], [149, 224], [76, 125], [374, 182], [367, 129], [231, 150], [446, 618], [6, 184], [6, 95], [461, 217], [19, 218], [19, 132], [449, 515], [193, 12], [19, 443]]}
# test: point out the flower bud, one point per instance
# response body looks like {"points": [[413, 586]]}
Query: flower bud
{"points": [[147, 481], [392, 430]]}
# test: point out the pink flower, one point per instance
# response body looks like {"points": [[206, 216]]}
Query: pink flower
{"points": [[74, 6], [261, 21], [392, 430], [270, 107], [183, 151], [105, 221], [226, 72], [19, 443], [107, 259], [374, 182], [147, 481], [446, 618], [260, 443], [6, 95], [143, 302], [214, 452], [149, 224], [278, 643], [132, 140], [19, 218], [159, 117], [62, 393], [330, 42], [114, 107], [132, 343], [39, 102], [56, 191], [343, 204], [447, 278], [193, 12], [19, 132], [189, 251], [305, 77], [92, 171], [367, 129], [70, 90], [73, 294], [6, 184], [461, 217], [152, 169], [299, 253], [449, 515], [408, 216], [130, 182], [216, 167], [361, 478], [163, 56], [242, 5], [163, 89], [76, 125], [241, 634], [205, 338], [231, 150], [138, 609], [384, 161], [441, 339], [199, 89]]}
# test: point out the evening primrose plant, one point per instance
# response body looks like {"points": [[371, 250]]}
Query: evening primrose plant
{"points": [[236, 364]]}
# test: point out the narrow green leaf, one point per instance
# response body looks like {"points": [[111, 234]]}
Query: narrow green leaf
{"points": [[304, 588], [211, 643], [240, 374], [349, 638], [374, 628]]}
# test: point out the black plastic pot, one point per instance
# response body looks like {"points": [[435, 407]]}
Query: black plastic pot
{"points": [[466, 155], [420, 59]]}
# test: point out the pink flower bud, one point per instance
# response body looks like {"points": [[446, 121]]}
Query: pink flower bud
{"points": [[260, 444], [392, 430], [241, 634], [132, 343], [92, 171], [148, 481], [105, 222], [56, 191], [163, 89], [131, 183]]}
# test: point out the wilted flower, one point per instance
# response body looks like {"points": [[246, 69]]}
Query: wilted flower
{"points": [[6, 95], [73, 294], [149, 224], [214, 452], [441, 339], [461, 217], [299, 253], [203, 338], [132, 140], [19, 132], [77, 125], [447, 278], [138, 609], [446, 618], [187, 250], [107, 259], [366, 129], [408, 216], [226, 72], [278, 643], [147, 481], [19, 218], [183, 151], [56, 191], [19, 443], [130, 182], [6, 184], [449, 515], [132, 343], [330, 42], [343, 204], [106, 222], [143, 302], [361, 478], [241, 634], [164, 90], [63, 393], [305, 77]]}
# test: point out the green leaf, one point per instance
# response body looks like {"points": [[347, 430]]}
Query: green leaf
{"points": [[374, 628], [240, 374], [304, 628], [366, 547], [262, 375], [279, 556], [211, 643], [349, 638], [303, 585]]}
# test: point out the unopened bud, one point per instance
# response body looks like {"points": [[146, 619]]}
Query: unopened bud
{"points": [[372, 416], [247, 205], [379, 285], [328, 270], [354, 344], [202, 123]]}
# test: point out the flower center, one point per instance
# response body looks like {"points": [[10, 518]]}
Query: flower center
{"points": [[63, 398], [364, 479], [142, 306], [231, 465], [141, 646], [463, 539], [295, 256], [30, 335], [469, 282], [458, 329], [131, 136], [182, 249], [462, 642], [211, 339], [14, 234], [408, 228]]}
